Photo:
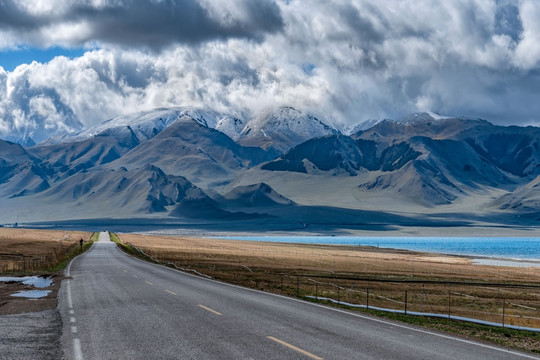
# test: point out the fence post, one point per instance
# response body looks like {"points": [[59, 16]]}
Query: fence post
{"points": [[504, 306], [406, 302], [338, 295], [316, 291], [449, 302], [367, 298], [422, 306], [297, 286]]}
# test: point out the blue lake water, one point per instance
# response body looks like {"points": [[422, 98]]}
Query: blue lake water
{"points": [[498, 247]]}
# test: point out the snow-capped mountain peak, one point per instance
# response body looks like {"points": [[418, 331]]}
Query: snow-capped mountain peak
{"points": [[283, 128], [145, 124]]}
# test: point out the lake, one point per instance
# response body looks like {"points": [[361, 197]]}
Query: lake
{"points": [[515, 248]]}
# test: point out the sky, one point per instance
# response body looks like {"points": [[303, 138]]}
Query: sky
{"points": [[69, 65]]}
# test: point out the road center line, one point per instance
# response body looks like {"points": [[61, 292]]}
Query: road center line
{"points": [[125, 270], [73, 329], [170, 292], [135, 276], [208, 309], [149, 283], [301, 351]]}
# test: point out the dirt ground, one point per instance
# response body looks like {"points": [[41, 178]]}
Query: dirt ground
{"points": [[18, 305]]}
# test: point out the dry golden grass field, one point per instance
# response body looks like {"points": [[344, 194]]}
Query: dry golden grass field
{"points": [[26, 250], [376, 277]]}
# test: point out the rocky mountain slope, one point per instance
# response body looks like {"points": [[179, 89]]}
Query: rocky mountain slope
{"points": [[187, 163]]}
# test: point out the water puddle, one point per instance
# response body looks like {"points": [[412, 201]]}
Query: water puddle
{"points": [[32, 294], [36, 281]]}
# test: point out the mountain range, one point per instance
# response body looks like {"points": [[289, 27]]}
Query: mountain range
{"points": [[287, 169]]}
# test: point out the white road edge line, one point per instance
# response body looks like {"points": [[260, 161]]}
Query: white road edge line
{"points": [[77, 352], [365, 317], [68, 291]]}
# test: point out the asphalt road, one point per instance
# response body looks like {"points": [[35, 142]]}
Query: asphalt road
{"points": [[118, 307]]}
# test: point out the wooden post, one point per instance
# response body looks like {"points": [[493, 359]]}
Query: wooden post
{"points": [[423, 292], [406, 302], [367, 298], [504, 308], [449, 302]]}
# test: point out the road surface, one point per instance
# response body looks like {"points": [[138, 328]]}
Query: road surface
{"points": [[118, 307]]}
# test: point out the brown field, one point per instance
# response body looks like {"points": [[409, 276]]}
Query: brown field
{"points": [[376, 277], [26, 250]]}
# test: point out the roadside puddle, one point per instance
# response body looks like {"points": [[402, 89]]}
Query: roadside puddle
{"points": [[35, 281], [32, 294]]}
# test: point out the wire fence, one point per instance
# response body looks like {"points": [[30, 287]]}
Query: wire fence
{"points": [[21, 263], [500, 305], [504, 304]]}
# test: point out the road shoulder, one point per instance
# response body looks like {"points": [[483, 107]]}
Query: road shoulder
{"points": [[32, 335]]}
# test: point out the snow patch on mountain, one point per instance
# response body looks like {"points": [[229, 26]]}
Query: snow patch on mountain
{"points": [[421, 117], [146, 124], [231, 126]]}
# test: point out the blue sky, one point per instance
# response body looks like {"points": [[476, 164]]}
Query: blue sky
{"points": [[10, 59]]}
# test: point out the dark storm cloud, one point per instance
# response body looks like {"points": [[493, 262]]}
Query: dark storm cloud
{"points": [[186, 21], [15, 18], [133, 23]]}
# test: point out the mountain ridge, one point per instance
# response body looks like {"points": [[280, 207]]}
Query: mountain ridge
{"points": [[177, 163]]}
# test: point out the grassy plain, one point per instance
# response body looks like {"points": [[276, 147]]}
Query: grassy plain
{"points": [[28, 250], [377, 277]]}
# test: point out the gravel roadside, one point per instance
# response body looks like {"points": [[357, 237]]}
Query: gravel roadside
{"points": [[33, 335], [30, 329]]}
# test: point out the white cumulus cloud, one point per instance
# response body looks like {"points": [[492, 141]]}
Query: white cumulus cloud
{"points": [[350, 61]]}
